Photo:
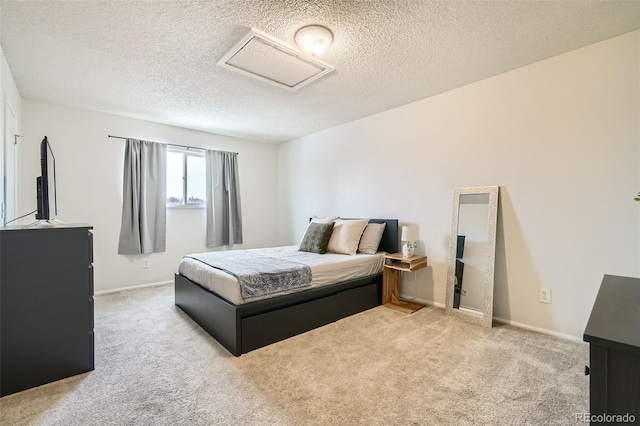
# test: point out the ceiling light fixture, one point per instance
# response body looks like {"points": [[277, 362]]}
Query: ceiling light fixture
{"points": [[314, 39]]}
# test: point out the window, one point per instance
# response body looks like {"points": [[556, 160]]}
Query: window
{"points": [[186, 174]]}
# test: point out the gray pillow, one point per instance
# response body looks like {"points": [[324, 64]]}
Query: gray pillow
{"points": [[316, 239]]}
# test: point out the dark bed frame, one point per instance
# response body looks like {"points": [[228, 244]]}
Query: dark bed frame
{"points": [[243, 328]]}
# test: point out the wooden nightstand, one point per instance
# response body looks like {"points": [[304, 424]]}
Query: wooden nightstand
{"points": [[391, 280]]}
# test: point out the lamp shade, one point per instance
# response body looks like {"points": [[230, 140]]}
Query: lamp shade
{"points": [[409, 233]]}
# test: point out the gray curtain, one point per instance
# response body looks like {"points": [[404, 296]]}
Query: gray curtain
{"points": [[144, 199], [224, 217]]}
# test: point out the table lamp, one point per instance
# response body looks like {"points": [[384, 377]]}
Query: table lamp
{"points": [[409, 236]]}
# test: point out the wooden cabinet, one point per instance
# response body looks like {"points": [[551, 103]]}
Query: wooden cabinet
{"points": [[613, 333], [397, 263], [46, 305]]}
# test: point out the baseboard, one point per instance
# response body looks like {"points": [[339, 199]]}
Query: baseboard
{"points": [[432, 303], [539, 330], [134, 287], [511, 322], [424, 302]]}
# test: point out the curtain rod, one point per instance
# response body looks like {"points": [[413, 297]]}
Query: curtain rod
{"points": [[173, 144]]}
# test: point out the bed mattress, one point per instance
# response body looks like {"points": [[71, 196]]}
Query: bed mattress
{"points": [[329, 268]]}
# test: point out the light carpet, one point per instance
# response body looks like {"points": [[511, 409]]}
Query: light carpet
{"points": [[155, 366]]}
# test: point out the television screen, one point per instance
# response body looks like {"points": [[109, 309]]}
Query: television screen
{"points": [[46, 183]]}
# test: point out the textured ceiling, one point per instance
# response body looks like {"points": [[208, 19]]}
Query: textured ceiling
{"points": [[156, 60]]}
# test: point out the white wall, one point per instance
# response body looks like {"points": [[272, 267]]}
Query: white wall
{"points": [[89, 173], [562, 139], [10, 106]]}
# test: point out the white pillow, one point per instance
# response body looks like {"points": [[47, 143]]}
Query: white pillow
{"points": [[329, 219], [346, 236], [371, 238]]}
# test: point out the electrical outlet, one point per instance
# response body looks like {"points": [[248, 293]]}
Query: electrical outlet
{"points": [[145, 263], [545, 295]]}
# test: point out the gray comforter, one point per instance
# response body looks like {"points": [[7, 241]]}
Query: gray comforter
{"points": [[258, 275]]}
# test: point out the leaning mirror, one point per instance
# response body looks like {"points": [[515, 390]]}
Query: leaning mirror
{"points": [[472, 250]]}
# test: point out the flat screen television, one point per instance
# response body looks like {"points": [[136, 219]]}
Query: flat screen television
{"points": [[46, 183]]}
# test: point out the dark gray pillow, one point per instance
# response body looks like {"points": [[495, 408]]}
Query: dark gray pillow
{"points": [[316, 239]]}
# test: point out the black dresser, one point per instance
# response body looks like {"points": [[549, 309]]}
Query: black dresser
{"points": [[46, 305], [613, 333]]}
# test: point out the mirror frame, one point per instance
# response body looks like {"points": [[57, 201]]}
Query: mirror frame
{"points": [[487, 314]]}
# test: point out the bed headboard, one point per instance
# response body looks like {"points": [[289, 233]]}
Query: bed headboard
{"points": [[389, 241]]}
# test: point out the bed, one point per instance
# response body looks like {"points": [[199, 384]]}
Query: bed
{"points": [[243, 327]]}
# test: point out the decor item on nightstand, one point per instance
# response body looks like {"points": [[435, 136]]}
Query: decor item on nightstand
{"points": [[409, 236]]}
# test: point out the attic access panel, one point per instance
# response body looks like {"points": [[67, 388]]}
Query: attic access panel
{"points": [[264, 58]]}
